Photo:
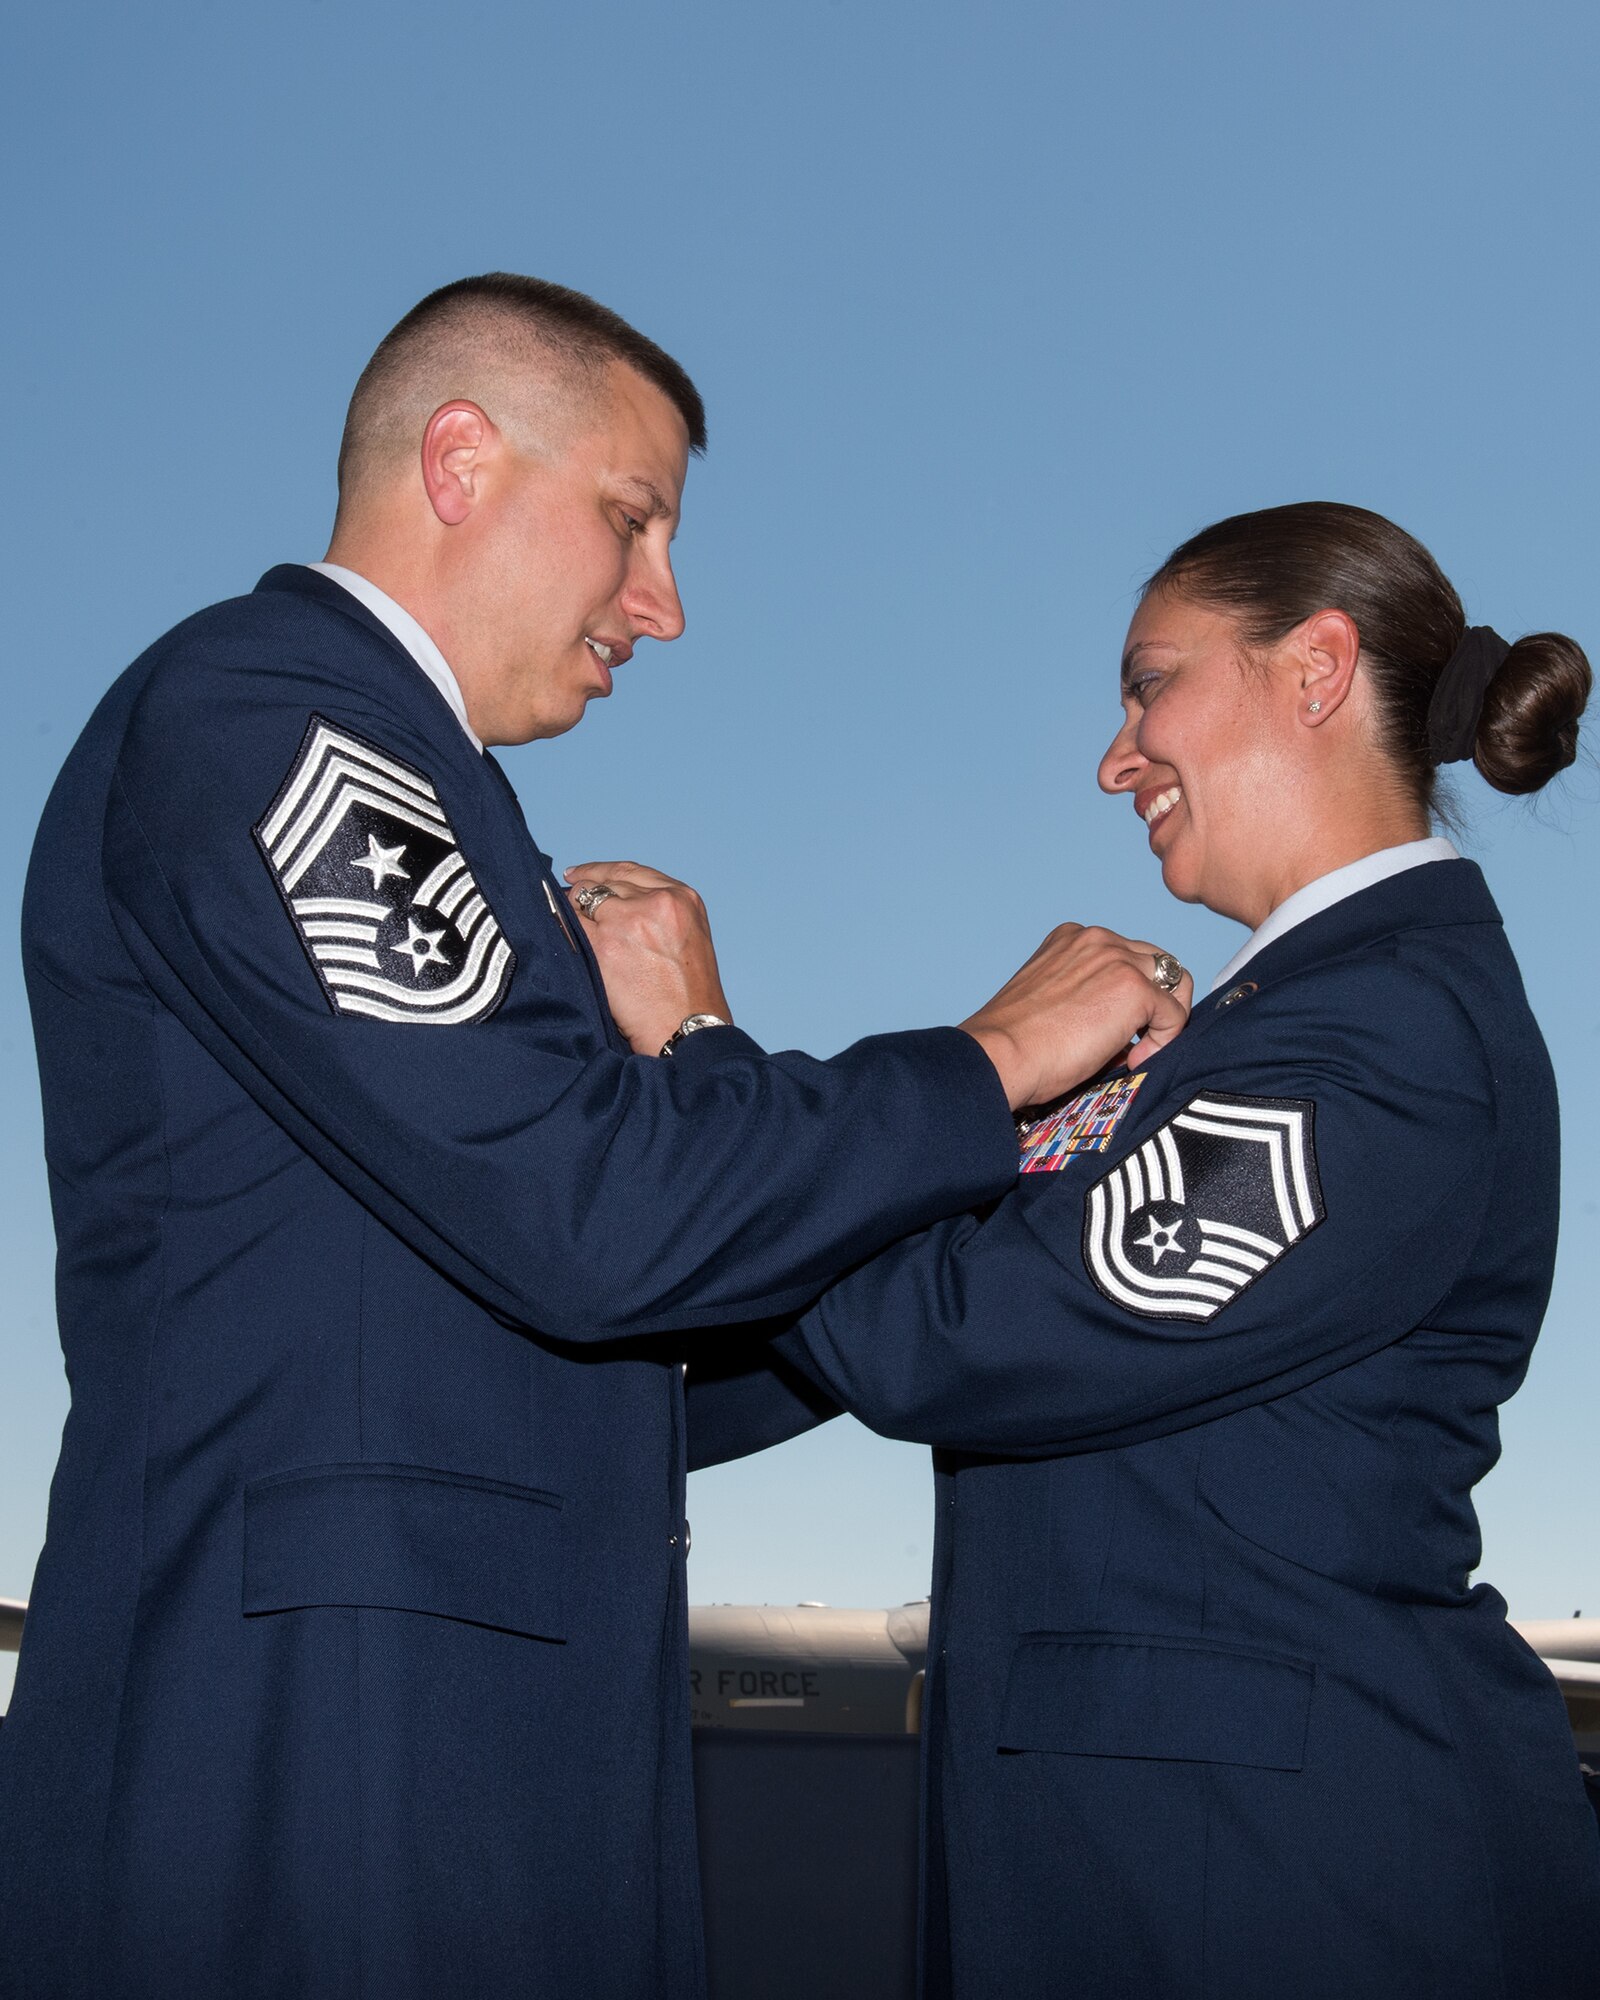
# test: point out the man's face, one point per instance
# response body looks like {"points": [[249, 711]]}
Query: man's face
{"points": [[570, 564]]}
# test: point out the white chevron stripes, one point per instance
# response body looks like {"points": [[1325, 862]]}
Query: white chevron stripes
{"points": [[1204, 1206], [383, 899]]}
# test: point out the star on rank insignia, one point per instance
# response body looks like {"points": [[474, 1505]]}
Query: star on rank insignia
{"points": [[1196, 1214], [380, 893]]}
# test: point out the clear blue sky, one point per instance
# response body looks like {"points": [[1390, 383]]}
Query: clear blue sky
{"points": [[990, 306]]}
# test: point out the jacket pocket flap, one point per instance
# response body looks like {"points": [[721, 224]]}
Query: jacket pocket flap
{"points": [[405, 1538], [1104, 1694]]}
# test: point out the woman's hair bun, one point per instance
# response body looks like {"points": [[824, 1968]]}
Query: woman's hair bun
{"points": [[1528, 730]]}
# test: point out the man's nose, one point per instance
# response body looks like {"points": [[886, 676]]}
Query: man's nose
{"points": [[651, 599], [1124, 763]]}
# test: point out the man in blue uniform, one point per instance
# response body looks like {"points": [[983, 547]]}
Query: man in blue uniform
{"points": [[356, 1656]]}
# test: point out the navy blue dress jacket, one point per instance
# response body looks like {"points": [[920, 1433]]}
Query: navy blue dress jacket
{"points": [[355, 1662], [1214, 1707]]}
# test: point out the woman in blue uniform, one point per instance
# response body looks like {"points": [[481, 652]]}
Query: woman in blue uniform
{"points": [[1213, 1707]]}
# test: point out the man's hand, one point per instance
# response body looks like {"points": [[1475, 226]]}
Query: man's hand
{"points": [[653, 940], [1076, 1005]]}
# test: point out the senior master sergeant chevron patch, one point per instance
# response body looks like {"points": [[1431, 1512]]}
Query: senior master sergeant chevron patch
{"points": [[1209, 1202]]}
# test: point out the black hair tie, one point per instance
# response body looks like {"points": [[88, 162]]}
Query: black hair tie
{"points": [[1458, 696]]}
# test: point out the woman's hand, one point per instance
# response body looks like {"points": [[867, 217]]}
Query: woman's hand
{"points": [[1077, 1004]]}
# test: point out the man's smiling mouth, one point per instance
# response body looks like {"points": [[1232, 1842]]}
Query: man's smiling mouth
{"points": [[602, 653]]}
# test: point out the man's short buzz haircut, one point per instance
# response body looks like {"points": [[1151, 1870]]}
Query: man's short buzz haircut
{"points": [[471, 338]]}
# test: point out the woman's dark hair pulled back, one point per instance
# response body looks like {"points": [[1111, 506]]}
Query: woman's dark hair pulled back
{"points": [[1274, 569]]}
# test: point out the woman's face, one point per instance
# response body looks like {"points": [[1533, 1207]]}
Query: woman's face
{"points": [[1207, 752]]}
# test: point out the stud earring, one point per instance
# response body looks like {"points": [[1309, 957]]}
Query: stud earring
{"points": [[1315, 708]]}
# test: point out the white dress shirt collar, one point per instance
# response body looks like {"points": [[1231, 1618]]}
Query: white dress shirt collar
{"points": [[410, 634], [1332, 888]]}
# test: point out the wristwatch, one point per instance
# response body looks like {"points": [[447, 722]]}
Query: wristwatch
{"points": [[691, 1024]]}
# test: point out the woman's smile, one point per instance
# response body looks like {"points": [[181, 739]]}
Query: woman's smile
{"points": [[1156, 804]]}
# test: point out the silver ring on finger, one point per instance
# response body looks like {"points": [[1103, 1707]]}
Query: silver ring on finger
{"points": [[1168, 972], [589, 899]]}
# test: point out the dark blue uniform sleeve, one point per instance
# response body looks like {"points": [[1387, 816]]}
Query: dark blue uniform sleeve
{"points": [[588, 1198], [742, 1397], [1090, 1309]]}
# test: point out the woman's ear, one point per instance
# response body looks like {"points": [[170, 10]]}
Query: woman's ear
{"points": [[1327, 647]]}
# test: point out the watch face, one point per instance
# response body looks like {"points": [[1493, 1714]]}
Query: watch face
{"points": [[688, 1025]]}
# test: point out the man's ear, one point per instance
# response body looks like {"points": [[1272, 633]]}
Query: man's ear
{"points": [[1327, 648], [456, 447]]}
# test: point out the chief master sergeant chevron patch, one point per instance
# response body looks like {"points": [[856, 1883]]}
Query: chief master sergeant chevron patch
{"points": [[380, 893], [1196, 1214]]}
